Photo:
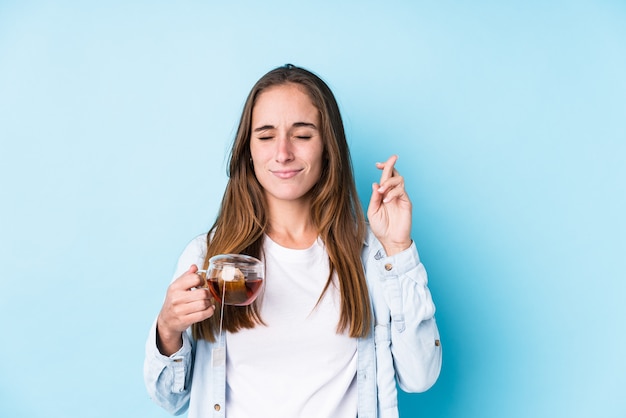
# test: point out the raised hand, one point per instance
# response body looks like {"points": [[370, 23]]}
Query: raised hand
{"points": [[390, 209], [186, 303]]}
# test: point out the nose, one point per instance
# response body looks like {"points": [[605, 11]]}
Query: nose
{"points": [[284, 149]]}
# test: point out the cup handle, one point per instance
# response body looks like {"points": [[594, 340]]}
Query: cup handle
{"points": [[203, 274]]}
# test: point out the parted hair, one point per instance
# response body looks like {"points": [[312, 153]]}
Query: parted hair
{"points": [[336, 212]]}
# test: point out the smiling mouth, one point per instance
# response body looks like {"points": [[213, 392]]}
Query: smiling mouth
{"points": [[285, 174]]}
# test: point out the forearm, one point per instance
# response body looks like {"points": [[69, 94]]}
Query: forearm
{"points": [[416, 348], [169, 353], [409, 309]]}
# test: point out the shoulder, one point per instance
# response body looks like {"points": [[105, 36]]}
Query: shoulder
{"points": [[197, 244], [193, 253]]}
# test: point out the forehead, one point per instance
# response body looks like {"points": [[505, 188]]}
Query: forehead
{"points": [[283, 99], [285, 86]]}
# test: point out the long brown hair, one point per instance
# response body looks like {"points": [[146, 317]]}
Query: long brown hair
{"points": [[335, 211]]}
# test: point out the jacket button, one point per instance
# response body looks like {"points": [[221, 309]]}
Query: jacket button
{"points": [[388, 267], [217, 407], [437, 343]]}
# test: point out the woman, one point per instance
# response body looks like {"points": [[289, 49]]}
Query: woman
{"points": [[346, 311]]}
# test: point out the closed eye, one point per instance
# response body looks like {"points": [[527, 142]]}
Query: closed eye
{"points": [[264, 132]]}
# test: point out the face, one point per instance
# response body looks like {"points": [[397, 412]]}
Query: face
{"points": [[286, 143]]}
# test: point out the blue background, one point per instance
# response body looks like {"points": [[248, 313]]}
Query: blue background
{"points": [[509, 119]]}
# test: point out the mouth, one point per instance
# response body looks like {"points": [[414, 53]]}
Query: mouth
{"points": [[285, 174]]}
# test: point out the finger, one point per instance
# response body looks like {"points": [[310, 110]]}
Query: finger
{"points": [[187, 297], [183, 319], [196, 306], [392, 194], [201, 315], [397, 181], [188, 280], [179, 311], [388, 168]]}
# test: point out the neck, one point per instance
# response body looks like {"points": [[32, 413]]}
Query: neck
{"points": [[290, 225]]}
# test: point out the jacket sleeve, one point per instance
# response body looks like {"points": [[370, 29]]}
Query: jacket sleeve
{"points": [[407, 310], [168, 379]]}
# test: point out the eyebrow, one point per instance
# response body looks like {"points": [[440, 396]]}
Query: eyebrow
{"points": [[304, 125], [295, 125], [264, 128]]}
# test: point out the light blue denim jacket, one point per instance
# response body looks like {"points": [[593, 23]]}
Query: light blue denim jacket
{"points": [[403, 349]]}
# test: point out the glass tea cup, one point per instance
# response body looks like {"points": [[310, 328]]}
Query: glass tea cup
{"points": [[234, 279]]}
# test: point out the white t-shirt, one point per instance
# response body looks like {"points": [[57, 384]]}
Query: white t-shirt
{"points": [[297, 365]]}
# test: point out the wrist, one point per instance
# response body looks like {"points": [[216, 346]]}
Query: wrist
{"points": [[395, 248], [168, 342]]}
